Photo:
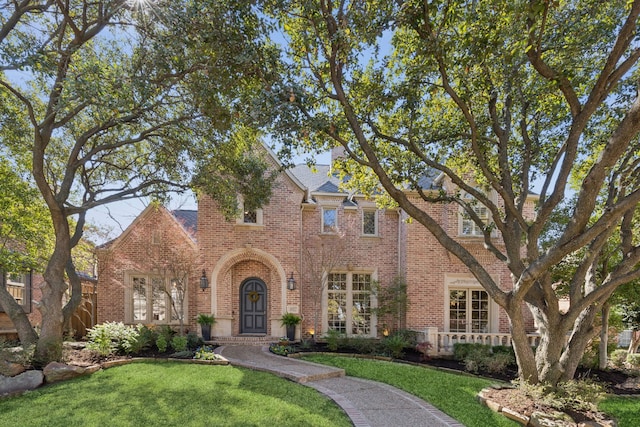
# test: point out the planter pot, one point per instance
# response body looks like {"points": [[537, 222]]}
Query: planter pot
{"points": [[206, 332], [291, 332]]}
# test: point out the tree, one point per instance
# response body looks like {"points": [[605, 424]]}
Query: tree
{"points": [[496, 97], [116, 100]]}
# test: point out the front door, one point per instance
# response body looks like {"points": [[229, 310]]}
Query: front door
{"points": [[253, 310]]}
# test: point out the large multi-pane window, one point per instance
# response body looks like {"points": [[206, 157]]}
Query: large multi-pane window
{"points": [[349, 303], [468, 310], [150, 301]]}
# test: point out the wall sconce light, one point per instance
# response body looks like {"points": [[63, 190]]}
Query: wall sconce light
{"points": [[291, 282], [204, 282], [385, 332], [312, 332]]}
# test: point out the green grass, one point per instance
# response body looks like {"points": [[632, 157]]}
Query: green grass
{"points": [[452, 393], [171, 394], [624, 409]]}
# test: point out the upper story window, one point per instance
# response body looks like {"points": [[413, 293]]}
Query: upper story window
{"points": [[468, 226], [329, 220], [19, 286], [370, 222], [248, 216]]}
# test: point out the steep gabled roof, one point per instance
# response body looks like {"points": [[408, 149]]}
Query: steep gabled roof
{"points": [[190, 233], [188, 219]]}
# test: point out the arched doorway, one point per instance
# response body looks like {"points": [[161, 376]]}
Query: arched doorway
{"points": [[253, 307]]}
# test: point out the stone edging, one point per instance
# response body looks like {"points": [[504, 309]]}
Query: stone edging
{"points": [[537, 419]]}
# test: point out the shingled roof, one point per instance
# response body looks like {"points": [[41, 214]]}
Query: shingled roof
{"points": [[188, 219]]}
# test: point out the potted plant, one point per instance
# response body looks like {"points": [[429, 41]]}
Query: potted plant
{"points": [[205, 321], [290, 320]]}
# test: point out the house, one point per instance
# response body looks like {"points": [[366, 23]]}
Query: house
{"points": [[249, 271]]}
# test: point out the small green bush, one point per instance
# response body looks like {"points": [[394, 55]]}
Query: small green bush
{"points": [[364, 345], [618, 357], [161, 343], [146, 339], [461, 351], [179, 343], [395, 344], [498, 363], [332, 337], [194, 341], [633, 359], [582, 395]]}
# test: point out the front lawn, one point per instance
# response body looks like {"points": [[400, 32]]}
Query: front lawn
{"points": [[624, 409], [454, 394], [171, 394]]}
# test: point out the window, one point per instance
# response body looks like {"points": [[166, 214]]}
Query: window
{"points": [[349, 303], [468, 310], [369, 223], [248, 216], [149, 301], [329, 220], [469, 226], [19, 286]]}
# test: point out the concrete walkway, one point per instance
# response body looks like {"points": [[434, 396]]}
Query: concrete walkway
{"points": [[367, 403]]}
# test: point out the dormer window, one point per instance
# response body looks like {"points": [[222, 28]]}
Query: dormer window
{"points": [[248, 216]]}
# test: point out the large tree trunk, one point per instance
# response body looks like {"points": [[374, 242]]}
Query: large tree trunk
{"points": [[49, 346], [604, 337], [527, 370]]}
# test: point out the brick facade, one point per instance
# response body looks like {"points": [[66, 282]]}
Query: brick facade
{"points": [[231, 253]]}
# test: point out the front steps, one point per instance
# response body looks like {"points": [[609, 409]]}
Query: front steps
{"points": [[243, 340]]}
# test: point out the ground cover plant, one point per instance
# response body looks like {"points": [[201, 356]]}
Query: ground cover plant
{"points": [[173, 393]]}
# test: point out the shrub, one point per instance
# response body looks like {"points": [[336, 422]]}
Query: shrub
{"points": [[145, 340], [194, 341], [411, 337], [167, 332], [179, 343], [633, 359], [362, 345], [618, 357], [332, 338], [395, 344], [461, 351], [498, 363], [161, 343], [111, 337]]}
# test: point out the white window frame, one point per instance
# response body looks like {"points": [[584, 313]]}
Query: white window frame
{"points": [[375, 222], [240, 220], [170, 317], [467, 223], [468, 283], [329, 229], [349, 294]]}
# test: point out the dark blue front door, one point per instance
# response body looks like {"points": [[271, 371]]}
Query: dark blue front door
{"points": [[253, 310]]}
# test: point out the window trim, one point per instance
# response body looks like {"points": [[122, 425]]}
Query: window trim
{"points": [[376, 231], [129, 303], [240, 219], [334, 229], [468, 283], [373, 321], [476, 231]]}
